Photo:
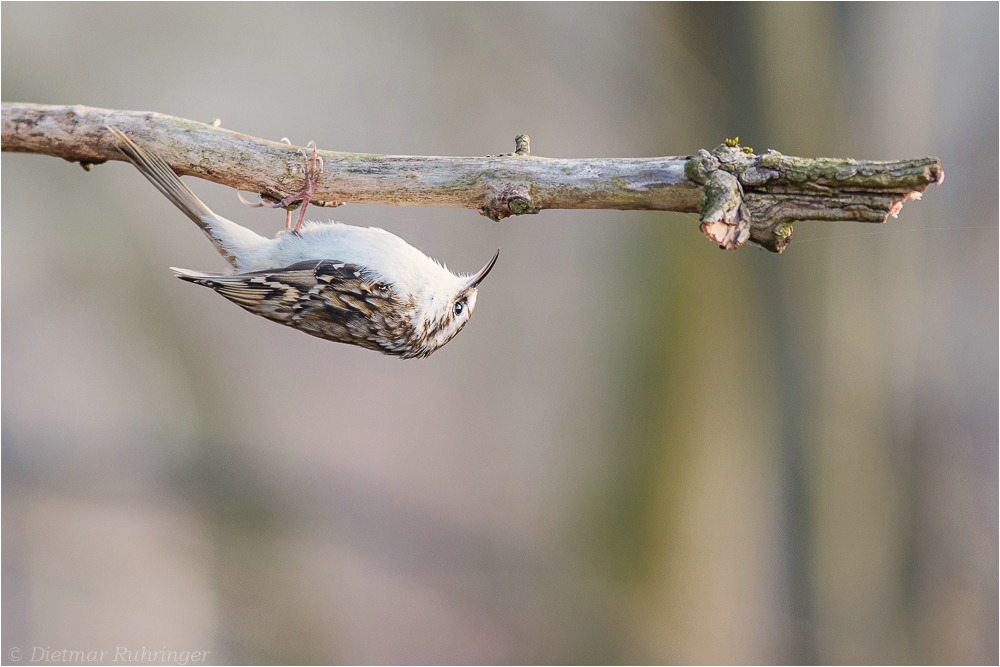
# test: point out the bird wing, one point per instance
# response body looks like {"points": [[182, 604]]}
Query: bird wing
{"points": [[326, 298]]}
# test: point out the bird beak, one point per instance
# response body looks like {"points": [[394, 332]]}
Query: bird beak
{"points": [[478, 278]]}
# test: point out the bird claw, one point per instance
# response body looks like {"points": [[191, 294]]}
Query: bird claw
{"points": [[313, 168], [251, 204]]}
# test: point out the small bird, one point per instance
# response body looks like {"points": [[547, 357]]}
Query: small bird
{"points": [[355, 285]]}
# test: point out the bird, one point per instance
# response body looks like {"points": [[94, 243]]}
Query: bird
{"points": [[362, 286]]}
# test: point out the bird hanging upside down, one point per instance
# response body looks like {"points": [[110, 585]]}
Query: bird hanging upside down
{"points": [[355, 285]]}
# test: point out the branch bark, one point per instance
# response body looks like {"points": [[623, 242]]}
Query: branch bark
{"points": [[740, 196]]}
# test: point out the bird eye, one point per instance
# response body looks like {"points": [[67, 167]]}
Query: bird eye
{"points": [[459, 307]]}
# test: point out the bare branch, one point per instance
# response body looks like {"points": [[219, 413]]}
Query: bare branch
{"points": [[740, 196]]}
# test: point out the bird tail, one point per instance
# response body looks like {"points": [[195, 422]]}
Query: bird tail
{"points": [[230, 239], [197, 277]]}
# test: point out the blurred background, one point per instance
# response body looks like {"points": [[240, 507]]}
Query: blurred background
{"points": [[642, 449]]}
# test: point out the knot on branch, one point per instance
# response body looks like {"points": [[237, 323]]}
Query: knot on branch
{"points": [[724, 218], [507, 199], [758, 197]]}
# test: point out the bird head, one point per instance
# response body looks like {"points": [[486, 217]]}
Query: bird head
{"points": [[443, 307]]}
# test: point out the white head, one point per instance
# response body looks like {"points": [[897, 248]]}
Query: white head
{"points": [[443, 305]]}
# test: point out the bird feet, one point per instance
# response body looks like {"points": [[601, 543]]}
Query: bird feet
{"points": [[313, 169]]}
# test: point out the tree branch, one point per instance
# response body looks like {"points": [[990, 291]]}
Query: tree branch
{"points": [[740, 196]]}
